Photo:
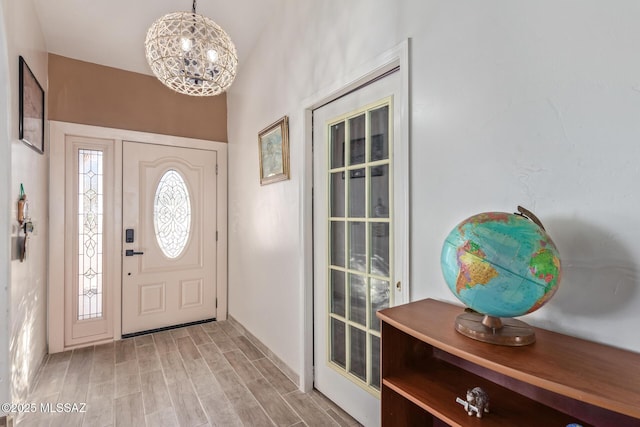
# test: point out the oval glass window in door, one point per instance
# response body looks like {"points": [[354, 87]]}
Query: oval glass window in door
{"points": [[172, 214]]}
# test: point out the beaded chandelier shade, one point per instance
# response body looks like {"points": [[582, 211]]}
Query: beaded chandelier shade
{"points": [[191, 54]]}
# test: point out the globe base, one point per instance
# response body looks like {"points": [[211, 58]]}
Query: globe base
{"points": [[494, 330]]}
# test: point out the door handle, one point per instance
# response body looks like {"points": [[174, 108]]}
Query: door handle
{"points": [[131, 252]]}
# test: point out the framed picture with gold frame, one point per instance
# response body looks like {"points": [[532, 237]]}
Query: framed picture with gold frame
{"points": [[273, 148]]}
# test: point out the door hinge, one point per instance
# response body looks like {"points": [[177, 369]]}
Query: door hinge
{"points": [[216, 169], [216, 302], [216, 235]]}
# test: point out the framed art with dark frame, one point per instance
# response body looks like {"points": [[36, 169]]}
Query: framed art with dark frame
{"points": [[273, 147], [31, 108]]}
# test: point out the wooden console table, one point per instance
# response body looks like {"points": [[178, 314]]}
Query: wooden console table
{"points": [[556, 381]]}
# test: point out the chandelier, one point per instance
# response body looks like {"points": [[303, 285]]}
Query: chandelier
{"points": [[191, 54]]}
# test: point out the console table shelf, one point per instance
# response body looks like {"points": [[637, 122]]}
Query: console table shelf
{"points": [[557, 380]]}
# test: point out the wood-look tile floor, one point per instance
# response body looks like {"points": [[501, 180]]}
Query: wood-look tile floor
{"points": [[203, 375]]}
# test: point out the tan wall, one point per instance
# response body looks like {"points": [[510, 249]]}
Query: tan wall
{"points": [[82, 92]]}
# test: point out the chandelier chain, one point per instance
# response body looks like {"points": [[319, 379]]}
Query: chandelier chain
{"points": [[194, 7]]}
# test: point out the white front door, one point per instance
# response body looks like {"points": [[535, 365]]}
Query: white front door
{"points": [[96, 192], [357, 227], [169, 236]]}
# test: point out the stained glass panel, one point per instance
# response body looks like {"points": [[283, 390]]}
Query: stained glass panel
{"points": [[172, 214], [90, 234]]}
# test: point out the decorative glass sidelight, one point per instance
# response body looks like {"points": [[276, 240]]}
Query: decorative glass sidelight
{"points": [[90, 233], [360, 236], [172, 214]]}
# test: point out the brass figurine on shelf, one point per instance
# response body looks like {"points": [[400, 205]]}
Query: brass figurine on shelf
{"points": [[477, 401]]}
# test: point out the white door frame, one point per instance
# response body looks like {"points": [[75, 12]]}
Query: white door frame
{"points": [[387, 61], [58, 131]]}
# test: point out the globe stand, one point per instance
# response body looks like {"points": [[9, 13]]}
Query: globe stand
{"points": [[494, 330]]}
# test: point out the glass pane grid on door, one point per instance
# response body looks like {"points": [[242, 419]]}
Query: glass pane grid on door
{"points": [[359, 241]]}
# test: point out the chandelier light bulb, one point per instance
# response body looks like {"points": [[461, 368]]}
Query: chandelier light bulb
{"points": [[212, 55], [186, 44], [191, 54]]}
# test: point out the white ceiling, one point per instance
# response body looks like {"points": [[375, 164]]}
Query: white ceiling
{"points": [[112, 32]]}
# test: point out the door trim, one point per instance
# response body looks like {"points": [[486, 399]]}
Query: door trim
{"points": [[397, 56], [58, 132]]}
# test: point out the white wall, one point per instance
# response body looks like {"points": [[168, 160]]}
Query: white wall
{"points": [[27, 328], [531, 103], [5, 175], [535, 103]]}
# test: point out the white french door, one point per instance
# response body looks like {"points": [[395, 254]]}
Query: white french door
{"points": [[169, 217], [358, 227]]}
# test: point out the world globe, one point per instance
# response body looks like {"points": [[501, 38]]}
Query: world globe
{"points": [[501, 265]]}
